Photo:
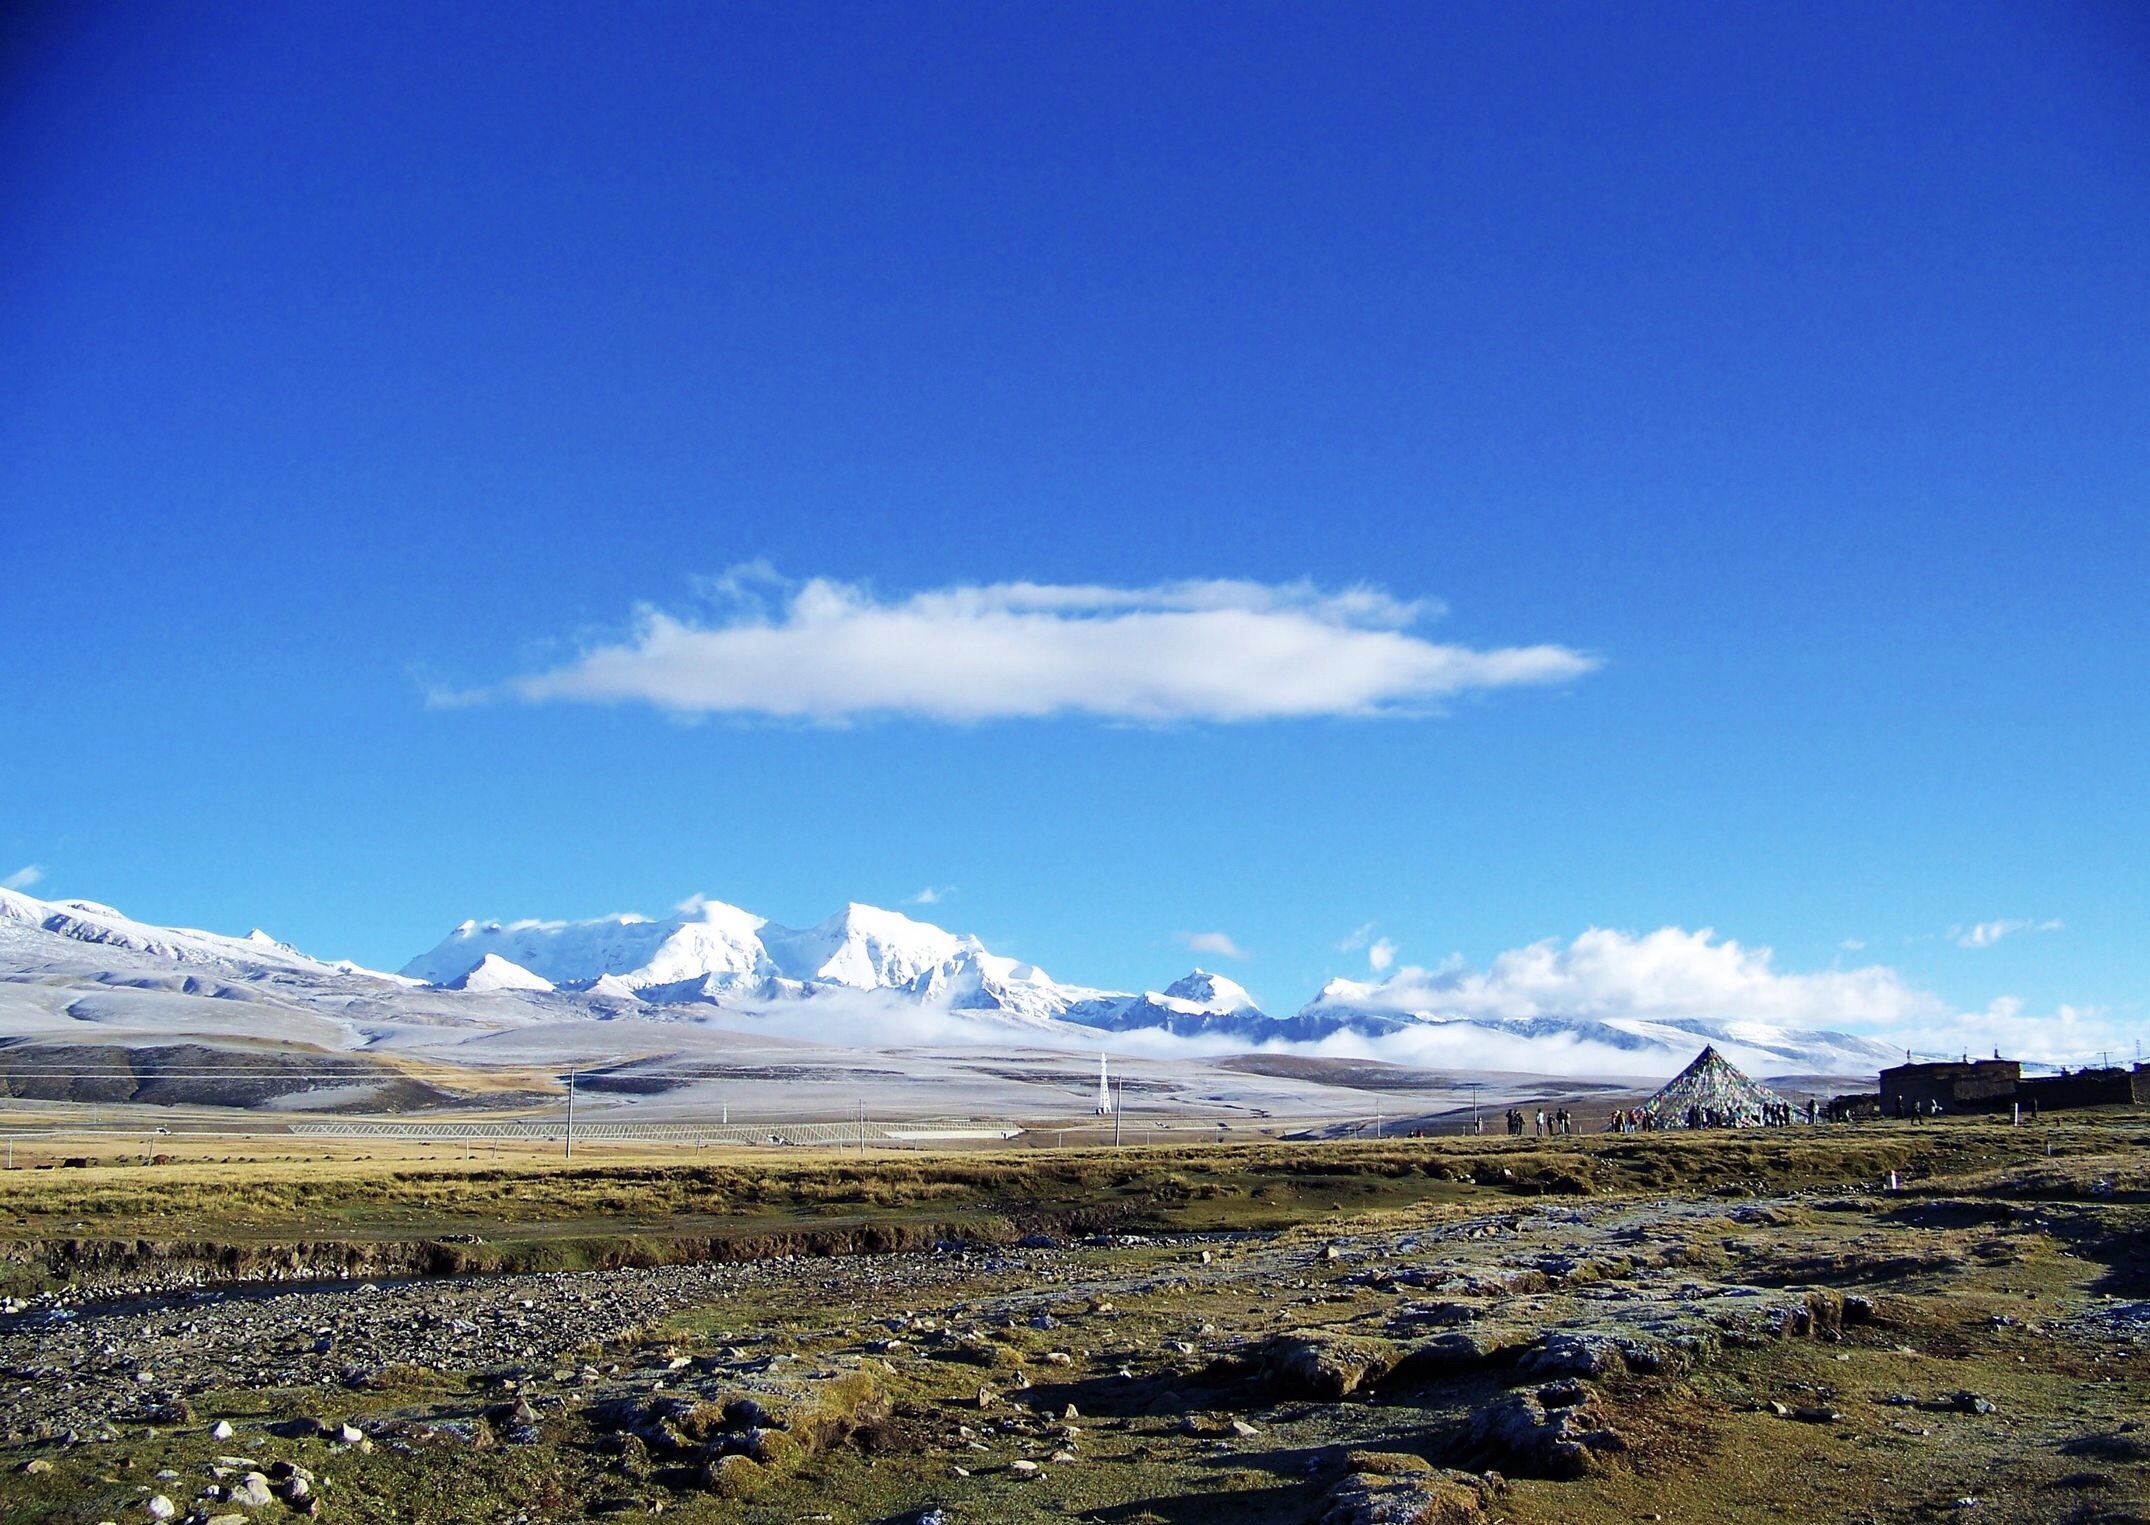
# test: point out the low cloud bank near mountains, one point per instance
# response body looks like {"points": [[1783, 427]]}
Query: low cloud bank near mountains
{"points": [[1676, 975]]}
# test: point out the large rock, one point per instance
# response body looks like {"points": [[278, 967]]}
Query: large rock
{"points": [[251, 1491], [1593, 1353], [1559, 1430], [1819, 1314], [1401, 1490], [1466, 1349], [1320, 1365]]}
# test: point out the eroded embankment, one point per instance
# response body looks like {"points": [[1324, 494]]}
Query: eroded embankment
{"points": [[101, 1268]]}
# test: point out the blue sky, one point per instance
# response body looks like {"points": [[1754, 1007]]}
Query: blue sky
{"points": [[1744, 414]]}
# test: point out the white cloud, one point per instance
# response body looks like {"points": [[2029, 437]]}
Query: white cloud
{"points": [[932, 894], [1667, 974], [23, 878], [1673, 975], [2067, 1035], [1853, 944], [1381, 955], [1357, 940], [1215, 944], [1214, 650], [1985, 934]]}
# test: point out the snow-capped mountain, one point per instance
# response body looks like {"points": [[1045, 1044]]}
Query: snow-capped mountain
{"points": [[721, 955], [493, 972], [873, 971], [86, 921], [1200, 1004]]}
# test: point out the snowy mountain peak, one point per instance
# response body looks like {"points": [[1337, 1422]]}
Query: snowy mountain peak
{"points": [[1211, 992], [493, 972], [1341, 992], [867, 948]]}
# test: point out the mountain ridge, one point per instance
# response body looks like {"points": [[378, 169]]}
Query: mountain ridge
{"points": [[712, 961]]}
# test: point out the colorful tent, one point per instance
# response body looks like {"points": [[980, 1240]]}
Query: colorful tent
{"points": [[1711, 1092]]}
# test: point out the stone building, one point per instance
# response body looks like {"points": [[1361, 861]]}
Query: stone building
{"points": [[1995, 1085]]}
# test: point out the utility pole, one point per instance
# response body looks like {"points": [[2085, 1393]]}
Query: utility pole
{"points": [[1377, 1119], [1119, 1107], [570, 1115], [862, 1125]]}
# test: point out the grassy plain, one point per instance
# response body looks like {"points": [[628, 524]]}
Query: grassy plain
{"points": [[1985, 1276], [251, 1195]]}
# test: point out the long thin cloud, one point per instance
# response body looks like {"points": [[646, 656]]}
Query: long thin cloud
{"points": [[1190, 651], [1986, 933]]}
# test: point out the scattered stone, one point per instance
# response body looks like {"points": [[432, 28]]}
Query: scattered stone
{"points": [[160, 1507], [1023, 1468], [222, 1430]]}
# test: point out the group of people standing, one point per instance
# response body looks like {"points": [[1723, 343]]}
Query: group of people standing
{"points": [[1561, 1122], [1769, 1114]]}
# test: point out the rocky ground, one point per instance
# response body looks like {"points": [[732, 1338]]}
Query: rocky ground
{"points": [[1978, 1348]]}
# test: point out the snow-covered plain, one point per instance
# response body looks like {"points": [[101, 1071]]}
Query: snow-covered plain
{"points": [[714, 987]]}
